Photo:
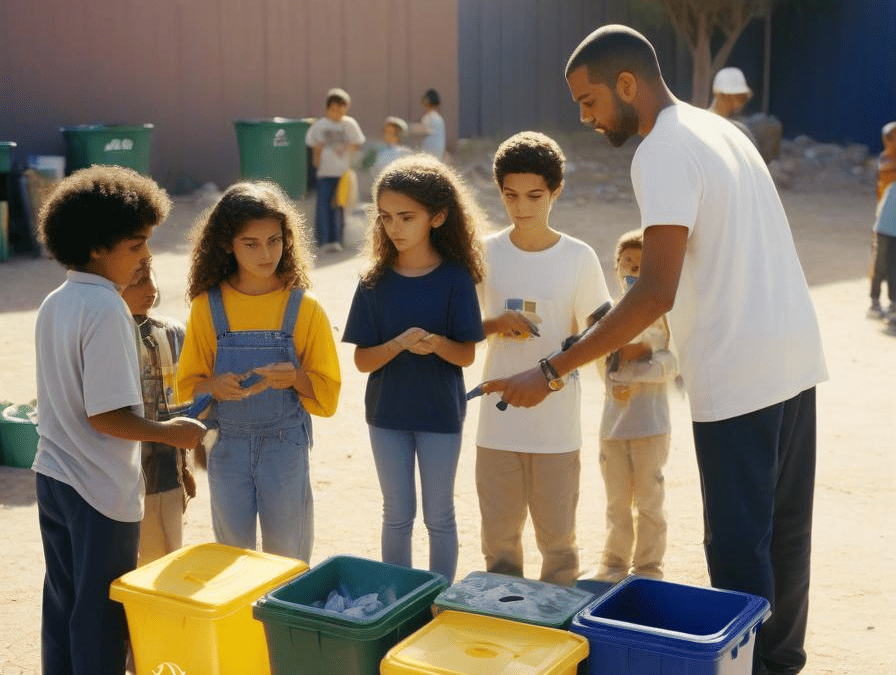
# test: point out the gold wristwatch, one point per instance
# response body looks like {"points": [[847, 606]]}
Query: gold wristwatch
{"points": [[555, 382]]}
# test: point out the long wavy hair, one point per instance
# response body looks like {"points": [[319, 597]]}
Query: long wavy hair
{"points": [[437, 188], [212, 259]]}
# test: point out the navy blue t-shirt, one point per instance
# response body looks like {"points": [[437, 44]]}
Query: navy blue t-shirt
{"points": [[414, 392]]}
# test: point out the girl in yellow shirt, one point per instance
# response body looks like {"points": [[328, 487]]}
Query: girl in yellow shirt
{"points": [[262, 347]]}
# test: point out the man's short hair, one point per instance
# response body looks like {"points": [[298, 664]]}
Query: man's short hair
{"points": [[613, 49], [97, 208], [530, 152], [432, 96], [340, 96], [888, 129]]}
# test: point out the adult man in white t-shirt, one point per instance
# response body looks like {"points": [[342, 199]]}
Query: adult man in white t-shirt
{"points": [[718, 256]]}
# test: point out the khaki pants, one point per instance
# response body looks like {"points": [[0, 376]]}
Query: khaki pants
{"points": [[161, 530], [546, 485], [636, 521]]}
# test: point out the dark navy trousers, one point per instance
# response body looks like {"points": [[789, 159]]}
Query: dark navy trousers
{"points": [[83, 632], [328, 220], [757, 473]]}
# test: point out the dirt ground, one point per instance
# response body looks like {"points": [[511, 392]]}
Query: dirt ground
{"points": [[852, 617]]}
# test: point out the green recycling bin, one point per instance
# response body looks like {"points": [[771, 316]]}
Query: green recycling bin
{"points": [[274, 149], [118, 144], [5, 192], [6, 156]]}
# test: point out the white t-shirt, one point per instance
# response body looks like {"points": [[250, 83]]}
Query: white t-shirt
{"points": [[434, 140], [335, 137], [562, 285], [86, 344], [743, 320]]}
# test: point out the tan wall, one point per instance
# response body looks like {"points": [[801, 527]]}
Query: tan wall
{"points": [[192, 67]]}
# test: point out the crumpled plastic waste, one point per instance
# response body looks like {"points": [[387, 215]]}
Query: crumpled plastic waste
{"points": [[340, 600]]}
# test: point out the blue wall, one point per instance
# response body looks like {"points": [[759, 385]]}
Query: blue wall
{"points": [[834, 72]]}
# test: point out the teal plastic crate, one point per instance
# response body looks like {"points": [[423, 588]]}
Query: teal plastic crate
{"points": [[18, 436], [515, 598], [654, 627], [307, 640]]}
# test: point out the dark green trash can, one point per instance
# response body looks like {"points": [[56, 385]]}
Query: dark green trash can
{"points": [[5, 192], [275, 150], [6, 156], [119, 144]]}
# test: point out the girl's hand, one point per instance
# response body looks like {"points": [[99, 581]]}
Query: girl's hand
{"points": [[410, 338], [426, 345], [276, 375], [226, 387]]}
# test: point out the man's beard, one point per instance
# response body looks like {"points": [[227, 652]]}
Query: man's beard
{"points": [[627, 124]]}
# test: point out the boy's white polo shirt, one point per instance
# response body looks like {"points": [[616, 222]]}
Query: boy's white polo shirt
{"points": [[86, 365]]}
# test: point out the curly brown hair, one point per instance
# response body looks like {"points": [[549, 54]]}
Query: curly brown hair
{"points": [[212, 259], [438, 189], [95, 209]]}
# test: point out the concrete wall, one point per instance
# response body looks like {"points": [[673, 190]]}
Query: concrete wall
{"points": [[192, 67]]}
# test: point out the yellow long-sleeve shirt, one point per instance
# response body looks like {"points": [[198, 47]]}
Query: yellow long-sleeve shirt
{"points": [[313, 338]]}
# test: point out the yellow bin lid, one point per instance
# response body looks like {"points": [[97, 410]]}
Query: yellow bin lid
{"points": [[458, 643], [206, 579]]}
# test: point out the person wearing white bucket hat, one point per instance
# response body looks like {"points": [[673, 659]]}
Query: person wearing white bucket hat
{"points": [[730, 92]]}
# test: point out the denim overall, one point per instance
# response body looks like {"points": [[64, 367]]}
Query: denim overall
{"points": [[259, 464]]}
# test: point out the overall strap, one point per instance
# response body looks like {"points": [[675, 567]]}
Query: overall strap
{"points": [[292, 311], [219, 316]]}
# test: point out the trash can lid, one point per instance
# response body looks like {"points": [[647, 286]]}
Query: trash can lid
{"points": [[9, 144], [456, 643], [97, 127], [515, 598], [206, 578]]}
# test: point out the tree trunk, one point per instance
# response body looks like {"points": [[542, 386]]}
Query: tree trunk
{"points": [[702, 65]]}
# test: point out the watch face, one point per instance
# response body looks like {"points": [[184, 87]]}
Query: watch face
{"points": [[555, 385]]}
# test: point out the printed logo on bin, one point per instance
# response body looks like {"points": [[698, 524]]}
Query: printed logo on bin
{"points": [[169, 668], [280, 140], [119, 144]]}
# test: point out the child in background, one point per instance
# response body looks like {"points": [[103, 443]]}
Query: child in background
{"points": [[432, 125], [393, 129], [97, 223], [634, 438], [880, 248], [166, 471], [527, 459], [333, 140], [415, 320], [251, 315]]}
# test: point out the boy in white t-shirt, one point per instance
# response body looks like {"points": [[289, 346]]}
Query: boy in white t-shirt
{"points": [[97, 223], [540, 287], [333, 140]]}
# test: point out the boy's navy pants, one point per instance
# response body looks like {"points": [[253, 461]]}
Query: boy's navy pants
{"points": [[83, 632], [757, 472]]}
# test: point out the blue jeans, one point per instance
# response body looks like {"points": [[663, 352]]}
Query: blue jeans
{"points": [[757, 472], [327, 219], [394, 453], [83, 632], [263, 473]]}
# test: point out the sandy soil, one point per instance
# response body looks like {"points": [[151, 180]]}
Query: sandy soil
{"points": [[852, 615]]}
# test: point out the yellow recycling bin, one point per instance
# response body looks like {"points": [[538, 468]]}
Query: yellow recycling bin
{"points": [[191, 611], [458, 643]]}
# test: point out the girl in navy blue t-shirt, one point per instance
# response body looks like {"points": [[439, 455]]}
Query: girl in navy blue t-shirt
{"points": [[415, 320]]}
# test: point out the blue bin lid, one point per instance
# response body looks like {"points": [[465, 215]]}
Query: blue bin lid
{"points": [[692, 621]]}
